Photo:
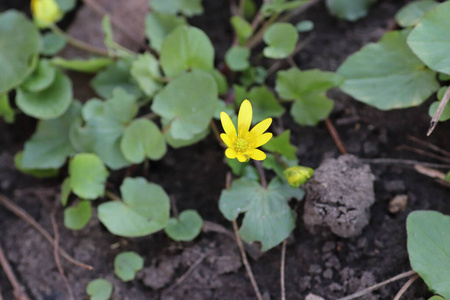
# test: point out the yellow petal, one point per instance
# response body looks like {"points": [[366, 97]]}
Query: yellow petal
{"points": [[244, 118], [258, 155], [45, 12], [261, 126], [241, 157], [227, 124], [226, 139], [230, 153], [262, 139]]}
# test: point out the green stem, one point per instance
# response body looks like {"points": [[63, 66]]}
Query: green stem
{"points": [[112, 196], [261, 173], [77, 43]]}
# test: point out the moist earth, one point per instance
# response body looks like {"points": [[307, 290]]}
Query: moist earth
{"points": [[328, 266]]}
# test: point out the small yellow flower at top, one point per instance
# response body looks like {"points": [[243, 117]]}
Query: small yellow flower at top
{"points": [[45, 12], [242, 143]]}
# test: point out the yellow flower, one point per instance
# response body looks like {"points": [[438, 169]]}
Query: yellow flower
{"points": [[45, 12], [298, 175], [243, 143]]}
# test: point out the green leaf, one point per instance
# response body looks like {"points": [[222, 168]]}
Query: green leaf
{"points": [[429, 249], [87, 176], [308, 89], [279, 165], [411, 13], [105, 123], [52, 44], [237, 58], [41, 78], [249, 9], [281, 144], [387, 74], [349, 10], [186, 7], [49, 146], [114, 49], [17, 53], [430, 39], [76, 217], [159, 25], [38, 173], [264, 103], [278, 6], [436, 298], [268, 217], [186, 48], [253, 75], [179, 143], [186, 228], [141, 139], [6, 111], [114, 76], [304, 26], [281, 39], [188, 102], [221, 81], [99, 289], [66, 5], [145, 69], [127, 264], [65, 191], [236, 166], [49, 103], [242, 28], [144, 210], [92, 65]]}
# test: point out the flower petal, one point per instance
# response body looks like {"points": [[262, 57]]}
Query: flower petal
{"points": [[262, 139], [258, 155], [261, 126], [230, 153], [227, 140], [227, 124], [241, 157], [244, 118]]}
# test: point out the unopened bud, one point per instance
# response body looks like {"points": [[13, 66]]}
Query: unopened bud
{"points": [[45, 12], [298, 175]]}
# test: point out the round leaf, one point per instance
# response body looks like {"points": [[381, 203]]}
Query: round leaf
{"points": [[49, 103], [145, 69], [16, 52], [429, 249], [350, 10], [186, 228], [144, 210], [411, 13], [281, 39], [311, 109], [41, 78], [38, 173], [126, 264], [188, 102], [159, 25], [99, 289], [430, 39], [237, 58], [76, 217], [305, 26], [87, 176], [186, 48], [141, 139], [264, 103], [387, 74], [52, 43]]}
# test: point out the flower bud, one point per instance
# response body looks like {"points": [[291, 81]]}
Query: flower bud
{"points": [[45, 12], [298, 175]]}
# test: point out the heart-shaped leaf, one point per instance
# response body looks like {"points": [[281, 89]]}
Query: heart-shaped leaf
{"points": [[41, 78], [87, 176], [145, 69], [159, 25], [188, 102], [126, 264], [281, 39], [350, 10], [186, 228], [99, 289], [52, 43], [144, 210], [76, 217], [412, 12], [237, 58]]}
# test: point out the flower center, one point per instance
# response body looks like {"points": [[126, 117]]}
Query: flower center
{"points": [[240, 145]]}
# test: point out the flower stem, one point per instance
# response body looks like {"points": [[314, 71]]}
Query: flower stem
{"points": [[78, 43], [261, 173]]}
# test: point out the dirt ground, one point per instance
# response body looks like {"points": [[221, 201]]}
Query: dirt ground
{"points": [[321, 263]]}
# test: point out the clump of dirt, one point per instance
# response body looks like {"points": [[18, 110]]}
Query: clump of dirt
{"points": [[339, 196]]}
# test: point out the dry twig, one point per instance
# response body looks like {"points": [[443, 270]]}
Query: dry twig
{"points": [[18, 291], [439, 111], [335, 135], [282, 271], [405, 287]]}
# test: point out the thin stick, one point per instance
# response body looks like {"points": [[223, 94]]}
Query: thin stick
{"points": [[19, 212], [405, 287], [112, 196], [173, 206], [335, 136], [248, 268], [56, 256], [78, 43], [18, 291], [377, 286], [409, 162], [261, 173], [429, 145], [424, 153], [439, 111], [283, 261], [216, 132]]}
